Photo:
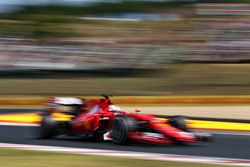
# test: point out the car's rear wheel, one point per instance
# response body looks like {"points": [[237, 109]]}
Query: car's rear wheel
{"points": [[47, 128], [120, 128]]}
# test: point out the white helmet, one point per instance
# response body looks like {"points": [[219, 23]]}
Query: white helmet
{"points": [[114, 108]]}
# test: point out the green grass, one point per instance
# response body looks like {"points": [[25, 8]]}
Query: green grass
{"points": [[18, 158], [80, 86], [175, 79]]}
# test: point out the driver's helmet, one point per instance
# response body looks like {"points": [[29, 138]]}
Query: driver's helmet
{"points": [[114, 108]]}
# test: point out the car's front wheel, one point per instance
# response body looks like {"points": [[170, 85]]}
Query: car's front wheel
{"points": [[120, 128], [179, 122]]}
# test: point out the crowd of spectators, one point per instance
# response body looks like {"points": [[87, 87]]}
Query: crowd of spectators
{"points": [[206, 38]]}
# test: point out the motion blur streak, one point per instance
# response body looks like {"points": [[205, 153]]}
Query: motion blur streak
{"points": [[187, 53], [172, 47]]}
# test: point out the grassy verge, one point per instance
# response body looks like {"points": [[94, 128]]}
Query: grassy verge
{"points": [[17, 158], [176, 79]]}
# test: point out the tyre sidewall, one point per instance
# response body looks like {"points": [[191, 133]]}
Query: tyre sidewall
{"points": [[120, 128]]}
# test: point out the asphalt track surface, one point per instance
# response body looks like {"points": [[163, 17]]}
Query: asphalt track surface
{"points": [[225, 146]]}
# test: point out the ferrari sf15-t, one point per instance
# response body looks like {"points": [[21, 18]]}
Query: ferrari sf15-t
{"points": [[100, 119]]}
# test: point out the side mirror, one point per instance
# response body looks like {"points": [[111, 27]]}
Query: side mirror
{"points": [[137, 110]]}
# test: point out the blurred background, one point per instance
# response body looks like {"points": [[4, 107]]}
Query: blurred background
{"points": [[125, 47]]}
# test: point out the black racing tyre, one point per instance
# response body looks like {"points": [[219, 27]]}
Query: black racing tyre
{"points": [[47, 128], [120, 128], [179, 122]]}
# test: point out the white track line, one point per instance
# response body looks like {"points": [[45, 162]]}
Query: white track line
{"points": [[17, 124], [131, 154]]}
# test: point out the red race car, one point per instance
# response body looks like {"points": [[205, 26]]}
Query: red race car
{"points": [[102, 120]]}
